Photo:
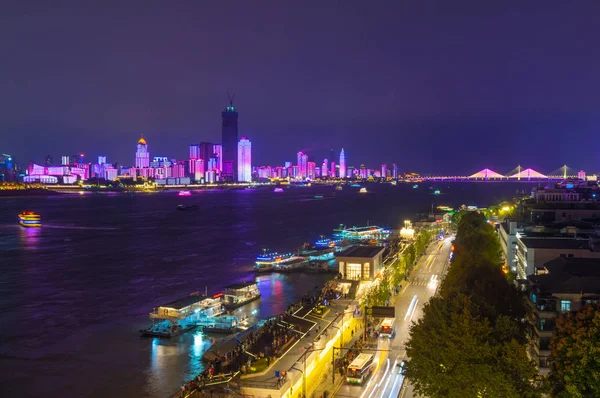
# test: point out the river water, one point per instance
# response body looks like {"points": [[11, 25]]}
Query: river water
{"points": [[74, 293]]}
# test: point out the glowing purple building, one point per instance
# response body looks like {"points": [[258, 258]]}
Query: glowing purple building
{"points": [[244, 160], [142, 156], [342, 164]]}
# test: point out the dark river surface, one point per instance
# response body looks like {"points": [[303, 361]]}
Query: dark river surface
{"points": [[74, 293]]}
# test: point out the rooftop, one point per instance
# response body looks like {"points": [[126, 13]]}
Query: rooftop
{"points": [[184, 302], [239, 285], [361, 251], [556, 243], [569, 275]]}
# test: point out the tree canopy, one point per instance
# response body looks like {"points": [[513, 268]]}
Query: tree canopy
{"points": [[575, 351], [470, 341]]}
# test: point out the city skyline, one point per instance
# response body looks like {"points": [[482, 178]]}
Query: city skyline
{"points": [[165, 73]]}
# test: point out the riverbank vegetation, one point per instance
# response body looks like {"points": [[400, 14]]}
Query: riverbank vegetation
{"points": [[471, 340]]}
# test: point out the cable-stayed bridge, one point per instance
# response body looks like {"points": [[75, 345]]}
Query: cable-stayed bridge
{"points": [[517, 174]]}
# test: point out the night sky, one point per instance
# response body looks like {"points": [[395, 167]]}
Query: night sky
{"points": [[448, 86]]}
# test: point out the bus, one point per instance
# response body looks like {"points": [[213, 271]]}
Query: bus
{"points": [[387, 328], [360, 369]]}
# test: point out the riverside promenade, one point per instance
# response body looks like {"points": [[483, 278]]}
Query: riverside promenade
{"points": [[301, 367]]}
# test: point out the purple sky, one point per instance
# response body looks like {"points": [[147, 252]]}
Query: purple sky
{"points": [[447, 86]]}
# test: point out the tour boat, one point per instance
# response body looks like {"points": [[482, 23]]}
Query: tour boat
{"points": [[273, 261], [241, 293], [184, 193], [339, 188], [278, 190], [189, 207], [363, 190], [30, 219], [181, 315]]}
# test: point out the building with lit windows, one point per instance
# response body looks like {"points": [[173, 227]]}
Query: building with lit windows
{"points": [[302, 165], [244, 160], [142, 156], [384, 170], [324, 168], [394, 171], [562, 285], [229, 135], [342, 164], [360, 262], [332, 172], [311, 170]]}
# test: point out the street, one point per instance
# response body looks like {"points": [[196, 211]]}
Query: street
{"points": [[386, 380]]}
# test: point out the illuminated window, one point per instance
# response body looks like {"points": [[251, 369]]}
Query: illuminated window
{"points": [[565, 305], [353, 271], [367, 273]]}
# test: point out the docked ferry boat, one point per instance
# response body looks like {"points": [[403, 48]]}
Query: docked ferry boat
{"points": [[29, 219], [241, 293], [184, 314], [273, 261]]}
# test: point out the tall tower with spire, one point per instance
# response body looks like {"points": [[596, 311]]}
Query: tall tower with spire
{"points": [[342, 164], [229, 137], [142, 156]]}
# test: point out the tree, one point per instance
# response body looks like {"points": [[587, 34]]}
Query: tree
{"points": [[454, 352], [575, 354], [470, 340]]}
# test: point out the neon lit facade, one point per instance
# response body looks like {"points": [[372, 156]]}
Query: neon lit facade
{"points": [[342, 164], [142, 156], [394, 171], [194, 151], [244, 160], [332, 167], [218, 154], [312, 170], [324, 168], [384, 170], [199, 170], [302, 165]]}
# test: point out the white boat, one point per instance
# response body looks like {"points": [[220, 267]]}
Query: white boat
{"points": [[363, 190]]}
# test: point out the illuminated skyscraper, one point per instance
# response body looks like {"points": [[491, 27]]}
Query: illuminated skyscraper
{"points": [[142, 156], [218, 154], [384, 170], [229, 134], [198, 170], [65, 160], [101, 159], [332, 168], [302, 165], [342, 164], [324, 168], [244, 160], [311, 168], [195, 151], [394, 171]]}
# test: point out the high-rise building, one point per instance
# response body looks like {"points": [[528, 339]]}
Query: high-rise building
{"points": [[229, 134], [64, 160], [198, 170], [244, 160], [142, 156], [383, 170], [101, 160], [302, 165], [218, 154], [324, 168], [194, 152], [342, 164], [332, 167], [394, 171], [311, 168], [206, 151]]}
